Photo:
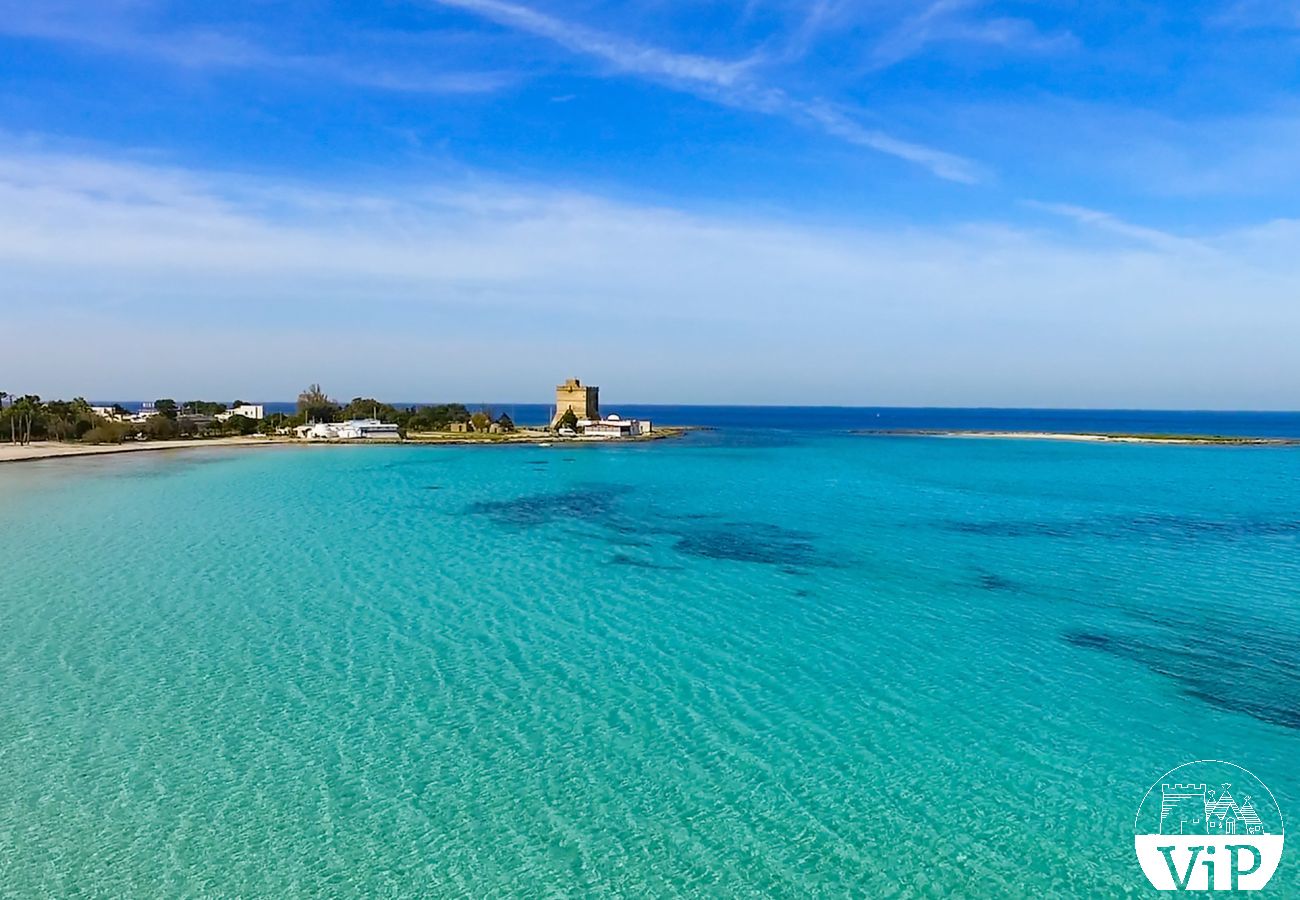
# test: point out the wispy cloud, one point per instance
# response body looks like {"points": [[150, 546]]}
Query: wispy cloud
{"points": [[1255, 14], [858, 315], [114, 30], [627, 56], [950, 21], [732, 83], [1104, 221]]}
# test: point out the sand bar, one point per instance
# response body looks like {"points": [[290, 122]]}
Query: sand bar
{"points": [[1215, 440]]}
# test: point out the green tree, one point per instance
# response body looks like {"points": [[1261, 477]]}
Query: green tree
{"points": [[106, 433], [27, 411], [67, 419], [506, 423], [273, 421], [166, 407], [13, 428], [480, 420], [434, 417], [203, 407], [161, 428], [368, 407], [241, 425], [314, 405], [568, 420]]}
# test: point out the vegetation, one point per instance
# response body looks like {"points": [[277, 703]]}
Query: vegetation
{"points": [[431, 418], [203, 407], [107, 433], [369, 408], [314, 405], [27, 418], [568, 420]]}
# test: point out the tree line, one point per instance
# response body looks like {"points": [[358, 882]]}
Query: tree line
{"points": [[315, 405], [26, 417]]}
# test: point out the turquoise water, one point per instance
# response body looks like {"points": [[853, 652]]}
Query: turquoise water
{"points": [[747, 664]]}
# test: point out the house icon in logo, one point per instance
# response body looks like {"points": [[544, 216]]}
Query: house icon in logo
{"points": [[1191, 809]]}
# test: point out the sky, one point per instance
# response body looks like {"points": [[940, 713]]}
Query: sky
{"points": [[929, 203]]}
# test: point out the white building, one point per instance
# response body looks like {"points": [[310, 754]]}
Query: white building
{"points": [[107, 412], [351, 430], [146, 412], [367, 429], [614, 426], [247, 410]]}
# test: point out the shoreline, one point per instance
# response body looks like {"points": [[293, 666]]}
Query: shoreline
{"points": [[49, 450], [1202, 440], [45, 450]]}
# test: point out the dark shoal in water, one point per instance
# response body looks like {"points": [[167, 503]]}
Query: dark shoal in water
{"points": [[749, 542]]}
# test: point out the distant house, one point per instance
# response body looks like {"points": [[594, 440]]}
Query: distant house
{"points": [[614, 427], [321, 431], [460, 427], [247, 410], [351, 430], [368, 429], [147, 411], [195, 421]]}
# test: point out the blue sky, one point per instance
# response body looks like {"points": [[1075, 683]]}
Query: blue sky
{"points": [[951, 202]]}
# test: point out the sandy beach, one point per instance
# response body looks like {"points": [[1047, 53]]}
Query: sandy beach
{"points": [[55, 450], [13, 453]]}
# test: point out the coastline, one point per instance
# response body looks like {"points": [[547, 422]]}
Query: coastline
{"points": [[1205, 440], [42, 450], [48, 450]]}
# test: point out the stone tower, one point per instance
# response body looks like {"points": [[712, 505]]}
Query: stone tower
{"points": [[583, 400]]}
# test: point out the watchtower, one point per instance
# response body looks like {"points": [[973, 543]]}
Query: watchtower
{"points": [[584, 400]]}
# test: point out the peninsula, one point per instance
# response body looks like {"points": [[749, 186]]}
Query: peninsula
{"points": [[38, 429]]}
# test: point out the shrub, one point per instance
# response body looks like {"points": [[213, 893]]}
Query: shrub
{"points": [[106, 433]]}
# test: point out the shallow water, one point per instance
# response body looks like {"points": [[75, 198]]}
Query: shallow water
{"points": [[740, 664]]}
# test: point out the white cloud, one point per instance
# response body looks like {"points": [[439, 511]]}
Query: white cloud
{"points": [[946, 21], [143, 276], [1105, 221], [731, 83], [628, 56], [115, 29]]}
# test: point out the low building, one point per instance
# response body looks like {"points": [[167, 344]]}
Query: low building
{"points": [[368, 429], [111, 413], [320, 431], [145, 413], [351, 430], [194, 421], [614, 426], [460, 427], [247, 410]]}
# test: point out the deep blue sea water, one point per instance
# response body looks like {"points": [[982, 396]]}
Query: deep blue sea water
{"points": [[752, 662], [847, 418]]}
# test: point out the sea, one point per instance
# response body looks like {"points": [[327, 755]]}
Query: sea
{"points": [[773, 658], [894, 418]]}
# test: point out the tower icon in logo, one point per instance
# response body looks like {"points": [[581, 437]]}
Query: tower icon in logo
{"points": [[1209, 825]]}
